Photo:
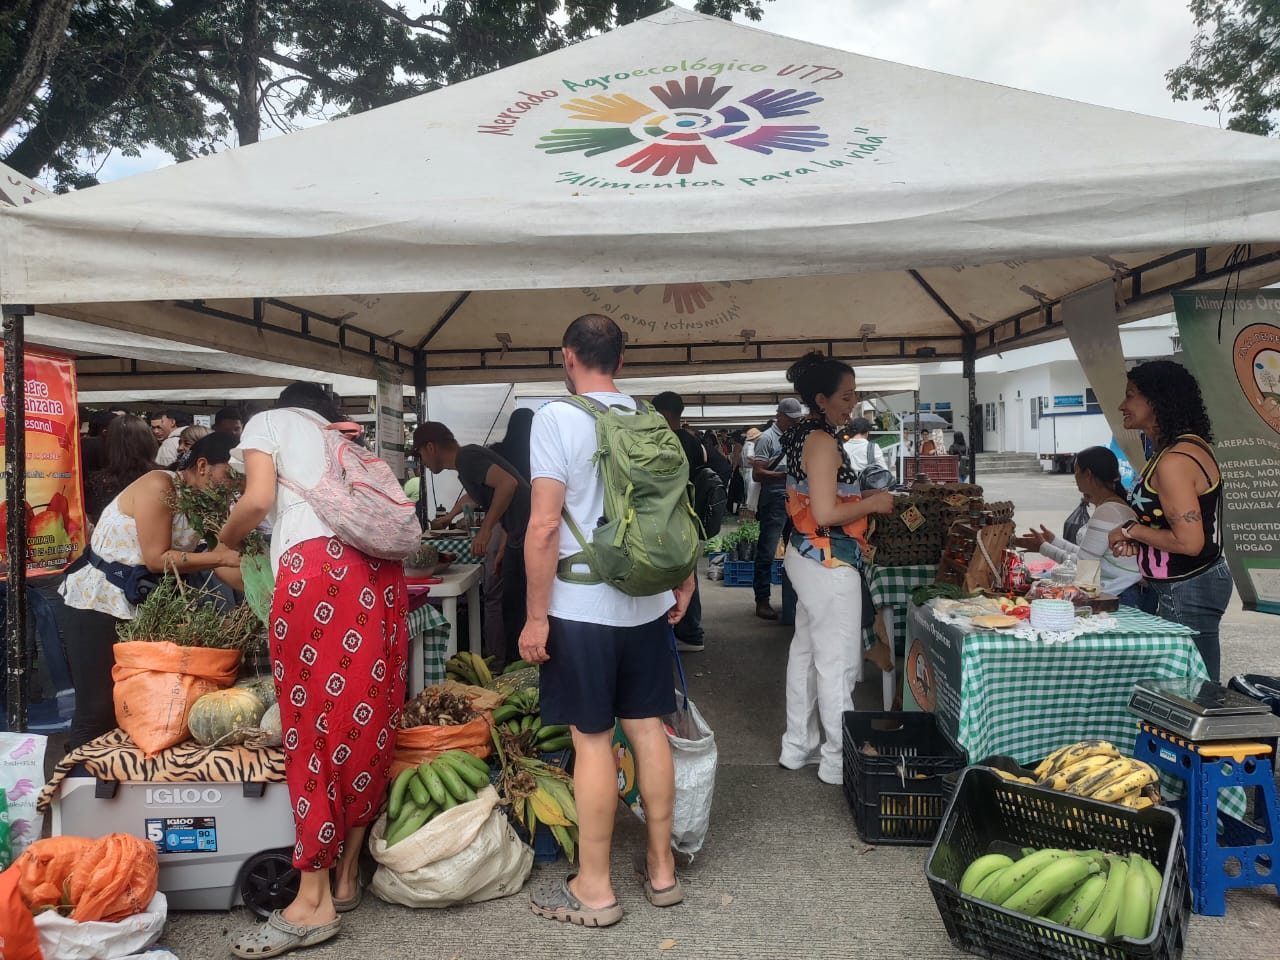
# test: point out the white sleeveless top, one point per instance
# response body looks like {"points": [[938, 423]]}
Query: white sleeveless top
{"points": [[115, 539]]}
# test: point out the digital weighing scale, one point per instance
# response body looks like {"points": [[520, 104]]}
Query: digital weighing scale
{"points": [[1202, 710]]}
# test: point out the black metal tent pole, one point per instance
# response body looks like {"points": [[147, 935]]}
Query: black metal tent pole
{"points": [[971, 374], [15, 493], [420, 391]]}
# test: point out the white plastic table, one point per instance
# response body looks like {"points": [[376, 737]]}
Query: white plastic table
{"points": [[458, 579]]}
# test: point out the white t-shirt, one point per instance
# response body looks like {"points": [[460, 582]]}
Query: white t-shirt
{"points": [[292, 437], [168, 451], [862, 451], [562, 442]]}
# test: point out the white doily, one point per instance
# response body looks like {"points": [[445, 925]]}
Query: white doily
{"points": [[1025, 631]]}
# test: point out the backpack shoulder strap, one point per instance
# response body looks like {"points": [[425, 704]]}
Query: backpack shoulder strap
{"points": [[591, 405]]}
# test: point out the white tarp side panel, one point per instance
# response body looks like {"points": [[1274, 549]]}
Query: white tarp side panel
{"points": [[637, 172], [17, 190]]}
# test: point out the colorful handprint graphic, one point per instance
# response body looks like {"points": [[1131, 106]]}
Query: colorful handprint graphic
{"points": [[695, 117]]}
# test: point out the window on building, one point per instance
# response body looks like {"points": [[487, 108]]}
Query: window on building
{"points": [[1091, 404], [1035, 412]]}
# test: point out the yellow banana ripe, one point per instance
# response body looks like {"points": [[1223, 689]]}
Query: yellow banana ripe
{"points": [[1079, 751], [1080, 769], [484, 676], [1130, 783], [1049, 762], [1137, 802], [547, 810], [1088, 786]]}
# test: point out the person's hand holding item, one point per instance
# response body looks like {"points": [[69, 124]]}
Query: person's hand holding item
{"points": [[881, 501], [1120, 542]]}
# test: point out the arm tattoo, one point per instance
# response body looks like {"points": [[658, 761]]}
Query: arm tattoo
{"points": [[1191, 516]]}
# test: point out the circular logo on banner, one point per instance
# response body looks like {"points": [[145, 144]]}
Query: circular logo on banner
{"points": [[1257, 361], [920, 677]]}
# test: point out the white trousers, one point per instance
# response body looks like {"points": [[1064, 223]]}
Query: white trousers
{"points": [[825, 662]]}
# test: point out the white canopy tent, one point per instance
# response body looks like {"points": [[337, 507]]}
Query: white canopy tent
{"points": [[726, 209]]}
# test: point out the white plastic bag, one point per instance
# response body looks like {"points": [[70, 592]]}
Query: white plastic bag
{"points": [[465, 855], [694, 753], [62, 938], [21, 777]]}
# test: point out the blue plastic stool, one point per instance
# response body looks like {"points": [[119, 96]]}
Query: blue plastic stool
{"points": [[1206, 768]]}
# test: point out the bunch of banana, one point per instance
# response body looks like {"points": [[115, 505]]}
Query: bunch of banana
{"points": [[1006, 775], [550, 803], [467, 667], [1096, 769], [520, 714], [1105, 895], [419, 793]]}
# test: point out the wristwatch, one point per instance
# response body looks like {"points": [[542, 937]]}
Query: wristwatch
{"points": [[1125, 527]]}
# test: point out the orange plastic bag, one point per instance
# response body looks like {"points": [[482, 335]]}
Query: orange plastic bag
{"points": [[156, 685], [43, 869], [115, 878], [417, 745], [18, 937]]}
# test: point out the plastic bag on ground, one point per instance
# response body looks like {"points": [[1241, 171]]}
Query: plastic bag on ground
{"points": [[465, 855], [156, 685], [21, 776], [62, 938]]}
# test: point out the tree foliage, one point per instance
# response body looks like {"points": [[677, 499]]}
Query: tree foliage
{"points": [[192, 76], [1234, 65]]}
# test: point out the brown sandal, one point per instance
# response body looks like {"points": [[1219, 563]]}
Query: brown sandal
{"points": [[667, 896], [554, 900]]}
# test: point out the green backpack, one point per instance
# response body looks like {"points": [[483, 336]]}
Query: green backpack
{"points": [[648, 543]]}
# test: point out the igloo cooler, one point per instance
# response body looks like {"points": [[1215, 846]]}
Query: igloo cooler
{"points": [[220, 844]]}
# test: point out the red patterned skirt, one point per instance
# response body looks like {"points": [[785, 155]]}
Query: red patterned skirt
{"points": [[338, 642]]}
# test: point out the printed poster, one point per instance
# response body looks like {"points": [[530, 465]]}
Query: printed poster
{"points": [[54, 509], [1231, 343], [390, 419]]}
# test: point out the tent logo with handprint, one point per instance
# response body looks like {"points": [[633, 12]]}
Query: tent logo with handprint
{"points": [[690, 127]]}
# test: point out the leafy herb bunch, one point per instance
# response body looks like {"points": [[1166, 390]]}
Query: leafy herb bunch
{"points": [[191, 617], [207, 510]]}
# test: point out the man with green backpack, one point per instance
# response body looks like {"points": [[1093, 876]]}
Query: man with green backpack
{"points": [[610, 556]]}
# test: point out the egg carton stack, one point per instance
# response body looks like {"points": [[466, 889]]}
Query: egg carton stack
{"points": [[939, 505]]}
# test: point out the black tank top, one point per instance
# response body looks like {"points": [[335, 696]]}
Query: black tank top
{"points": [[1161, 564]]}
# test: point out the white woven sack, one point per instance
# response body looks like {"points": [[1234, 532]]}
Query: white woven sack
{"points": [[465, 855], [694, 753], [62, 938]]}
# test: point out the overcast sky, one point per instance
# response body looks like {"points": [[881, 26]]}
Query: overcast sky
{"points": [[1110, 52]]}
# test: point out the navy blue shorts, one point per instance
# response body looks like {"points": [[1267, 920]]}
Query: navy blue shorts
{"points": [[596, 673]]}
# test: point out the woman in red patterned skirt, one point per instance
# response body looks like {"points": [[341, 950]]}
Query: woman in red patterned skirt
{"points": [[338, 641]]}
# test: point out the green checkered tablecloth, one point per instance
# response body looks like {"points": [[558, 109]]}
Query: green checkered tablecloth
{"points": [[891, 587], [433, 626], [1024, 699], [458, 545]]}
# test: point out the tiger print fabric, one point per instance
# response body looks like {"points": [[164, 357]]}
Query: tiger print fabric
{"points": [[113, 756]]}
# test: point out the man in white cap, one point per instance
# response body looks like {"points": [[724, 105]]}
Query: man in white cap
{"points": [[769, 469]]}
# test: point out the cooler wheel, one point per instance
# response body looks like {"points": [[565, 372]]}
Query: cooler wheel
{"points": [[269, 881]]}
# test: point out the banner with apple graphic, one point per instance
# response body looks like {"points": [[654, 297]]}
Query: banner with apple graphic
{"points": [[54, 508]]}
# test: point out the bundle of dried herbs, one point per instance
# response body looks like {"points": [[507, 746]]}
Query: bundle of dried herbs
{"points": [[207, 510], [191, 617]]}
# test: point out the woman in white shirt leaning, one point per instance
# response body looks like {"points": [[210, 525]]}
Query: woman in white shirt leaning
{"points": [[1097, 477]]}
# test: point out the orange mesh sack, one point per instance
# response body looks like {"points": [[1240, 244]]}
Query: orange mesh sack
{"points": [[417, 745], [44, 868], [18, 937], [156, 685], [115, 878]]}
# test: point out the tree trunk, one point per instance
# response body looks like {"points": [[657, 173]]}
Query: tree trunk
{"points": [[48, 29], [248, 118]]}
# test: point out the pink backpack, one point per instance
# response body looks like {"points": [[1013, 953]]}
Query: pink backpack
{"points": [[359, 499]]}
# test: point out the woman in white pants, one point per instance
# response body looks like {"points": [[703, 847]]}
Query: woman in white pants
{"points": [[823, 560]]}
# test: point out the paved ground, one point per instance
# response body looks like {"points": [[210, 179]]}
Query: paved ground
{"points": [[783, 873]]}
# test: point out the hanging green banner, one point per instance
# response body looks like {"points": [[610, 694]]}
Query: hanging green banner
{"points": [[1231, 343]]}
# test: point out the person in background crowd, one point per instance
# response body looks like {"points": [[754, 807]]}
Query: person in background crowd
{"points": [[128, 451], [604, 654], [514, 448], [737, 488], [514, 445], [716, 459], [690, 637], [1177, 533], [91, 442], [960, 449], [339, 646], [137, 529], [824, 559], [228, 420], [860, 447], [497, 488], [190, 435], [1098, 478], [751, 499], [769, 466], [174, 421]]}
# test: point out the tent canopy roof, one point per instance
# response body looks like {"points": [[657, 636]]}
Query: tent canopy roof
{"points": [[727, 210]]}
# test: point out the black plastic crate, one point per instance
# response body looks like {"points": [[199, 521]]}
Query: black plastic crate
{"points": [[989, 813], [897, 794]]}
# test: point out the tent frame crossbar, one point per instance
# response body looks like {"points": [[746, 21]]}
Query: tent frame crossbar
{"points": [[399, 354]]}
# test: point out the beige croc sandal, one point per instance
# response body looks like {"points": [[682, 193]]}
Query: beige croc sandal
{"points": [[278, 936], [667, 896], [554, 900]]}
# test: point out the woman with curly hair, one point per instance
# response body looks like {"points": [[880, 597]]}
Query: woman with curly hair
{"points": [[1177, 535]]}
